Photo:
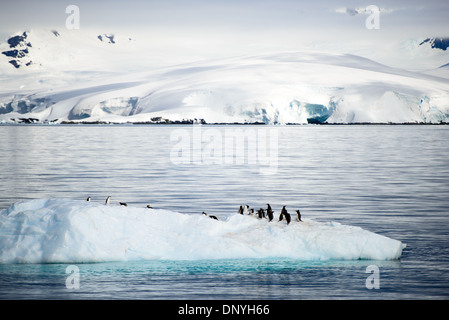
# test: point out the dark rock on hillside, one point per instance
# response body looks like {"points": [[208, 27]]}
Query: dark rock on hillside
{"points": [[17, 40], [20, 50], [16, 53], [103, 38], [437, 43], [14, 63]]}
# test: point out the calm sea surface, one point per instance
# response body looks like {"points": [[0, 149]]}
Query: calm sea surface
{"points": [[392, 180]]}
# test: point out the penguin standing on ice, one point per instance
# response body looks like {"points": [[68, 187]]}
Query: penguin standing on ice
{"points": [[299, 216], [270, 215], [261, 213], [269, 212], [108, 199], [287, 217], [281, 216], [212, 217], [285, 214], [241, 210], [251, 212], [88, 199], [245, 209]]}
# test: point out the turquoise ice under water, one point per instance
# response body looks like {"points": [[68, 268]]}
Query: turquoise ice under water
{"points": [[390, 180], [203, 279]]}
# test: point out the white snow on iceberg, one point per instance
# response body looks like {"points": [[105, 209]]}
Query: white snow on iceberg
{"points": [[74, 231]]}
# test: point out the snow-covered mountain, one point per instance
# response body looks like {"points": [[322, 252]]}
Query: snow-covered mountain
{"points": [[52, 76]]}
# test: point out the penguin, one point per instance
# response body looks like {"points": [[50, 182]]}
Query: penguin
{"points": [[123, 204], [149, 206], [281, 216], [299, 215], [245, 209], [286, 215], [251, 212], [108, 199], [261, 213], [212, 217], [269, 212], [241, 210], [88, 199], [270, 215]]}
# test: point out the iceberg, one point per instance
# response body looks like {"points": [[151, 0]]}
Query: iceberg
{"points": [[75, 231]]}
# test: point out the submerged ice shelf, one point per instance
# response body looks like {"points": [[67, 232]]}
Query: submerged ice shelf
{"points": [[74, 231]]}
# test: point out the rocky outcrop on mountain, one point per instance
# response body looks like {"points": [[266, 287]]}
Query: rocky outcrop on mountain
{"points": [[20, 50], [108, 38], [437, 43]]}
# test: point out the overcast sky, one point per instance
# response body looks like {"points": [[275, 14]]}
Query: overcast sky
{"points": [[257, 22]]}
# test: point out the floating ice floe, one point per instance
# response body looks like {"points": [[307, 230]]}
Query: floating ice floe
{"points": [[74, 231]]}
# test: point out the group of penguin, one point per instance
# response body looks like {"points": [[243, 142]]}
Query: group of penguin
{"points": [[245, 210], [242, 210], [269, 213], [108, 200]]}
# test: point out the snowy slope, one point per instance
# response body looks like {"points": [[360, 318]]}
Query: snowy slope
{"points": [[73, 231], [91, 78]]}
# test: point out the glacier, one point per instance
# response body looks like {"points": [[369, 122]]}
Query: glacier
{"points": [[76, 231], [78, 78]]}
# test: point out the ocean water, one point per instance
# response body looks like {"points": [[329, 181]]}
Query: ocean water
{"points": [[392, 180]]}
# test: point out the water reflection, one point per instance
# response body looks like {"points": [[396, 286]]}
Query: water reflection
{"points": [[393, 180]]}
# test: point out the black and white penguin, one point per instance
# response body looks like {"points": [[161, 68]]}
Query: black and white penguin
{"points": [[211, 216], [108, 199], [281, 216], [251, 212], [261, 213], [270, 216], [286, 215], [149, 206], [88, 199], [123, 204], [245, 209], [299, 215], [269, 212], [241, 210]]}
